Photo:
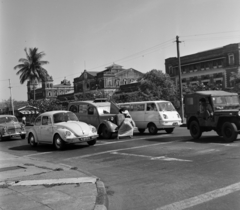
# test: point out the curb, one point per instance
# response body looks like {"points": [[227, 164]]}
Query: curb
{"points": [[102, 199]]}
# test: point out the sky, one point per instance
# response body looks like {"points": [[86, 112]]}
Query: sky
{"points": [[93, 34]]}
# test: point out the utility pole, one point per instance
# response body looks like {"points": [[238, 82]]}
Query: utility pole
{"points": [[180, 78], [11, 99]]}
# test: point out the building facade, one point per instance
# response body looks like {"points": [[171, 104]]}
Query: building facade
{"points": [[212, 66], [47, 90], [107, 81]]}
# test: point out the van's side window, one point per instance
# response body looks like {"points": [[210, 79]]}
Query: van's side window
{"points": [[73, 109], [138, 107], [151, 107]]}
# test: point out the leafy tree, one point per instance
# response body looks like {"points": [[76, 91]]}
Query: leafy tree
{"points": [[31, 67], [46, 105], [154, 85]]}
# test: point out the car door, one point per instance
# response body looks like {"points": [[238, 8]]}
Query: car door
{"points": [[37, 127], [46, 133], [151, 114], [92, 116]]}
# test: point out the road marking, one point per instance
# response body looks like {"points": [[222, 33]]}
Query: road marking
{"points": [[41, 153], [150, 157], [115, 150], [117, 141], [187, 203]]}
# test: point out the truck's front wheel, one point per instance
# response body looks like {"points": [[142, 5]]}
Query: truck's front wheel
{"points": [[195, 130], [229, 132]]}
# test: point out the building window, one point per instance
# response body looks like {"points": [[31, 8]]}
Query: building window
{"points": [[231, 59], [49, 94], [170, 70]]}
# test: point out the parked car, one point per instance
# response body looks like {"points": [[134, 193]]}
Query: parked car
{"points": [[213, 110], [10, 126], [99, 114], [60, 128]]}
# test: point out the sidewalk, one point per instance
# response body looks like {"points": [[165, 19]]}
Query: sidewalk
{"points": [[27, 184]]}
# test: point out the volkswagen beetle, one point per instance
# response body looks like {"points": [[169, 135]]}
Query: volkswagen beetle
{"points": [[60, 128], [9, 126]]}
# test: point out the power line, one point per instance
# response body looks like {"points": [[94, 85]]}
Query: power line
{"points": [[223, 32]]}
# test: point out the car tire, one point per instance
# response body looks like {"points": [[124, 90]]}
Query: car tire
{"points": [[58, 142], [92, 142], [195, 130], [229, 131], [31, 140], [106, 134], [23, 136], [169, 130], [152, 128], [141, 130]]}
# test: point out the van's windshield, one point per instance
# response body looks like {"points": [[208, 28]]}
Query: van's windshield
{"points": [[165, 106]]}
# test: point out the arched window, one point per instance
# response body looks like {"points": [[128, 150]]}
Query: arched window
{"points": [[49, 94]]}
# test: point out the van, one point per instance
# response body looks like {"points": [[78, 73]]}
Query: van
{"points": [[99, 114], [153, 115]]}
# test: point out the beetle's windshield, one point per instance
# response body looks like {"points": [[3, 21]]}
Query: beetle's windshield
{"points": [[226, 102], [64, 117], [165, 106], [8, 119]]}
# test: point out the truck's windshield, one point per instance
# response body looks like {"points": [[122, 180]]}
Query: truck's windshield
{"points": [[226, 102]]}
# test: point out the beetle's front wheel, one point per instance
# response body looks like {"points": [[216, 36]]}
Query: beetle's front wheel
{"points": [[58, 142]]}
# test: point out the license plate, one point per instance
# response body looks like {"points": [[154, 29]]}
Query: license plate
{"points": [[85, 139], [175, 124]]}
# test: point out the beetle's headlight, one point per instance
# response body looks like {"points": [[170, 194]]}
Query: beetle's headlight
{"points": [[68, 133], [94, 130], [238, 113]]}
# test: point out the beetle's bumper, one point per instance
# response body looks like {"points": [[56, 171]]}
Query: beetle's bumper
{"points": [[81, 139]]}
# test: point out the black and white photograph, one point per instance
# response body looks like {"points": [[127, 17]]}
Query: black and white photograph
{"points": [[119, 105]]}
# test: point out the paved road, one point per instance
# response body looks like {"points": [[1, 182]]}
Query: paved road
{"points": [[166, 171]]}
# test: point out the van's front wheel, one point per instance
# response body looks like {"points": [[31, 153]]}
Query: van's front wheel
{"points": [[152, 128]]}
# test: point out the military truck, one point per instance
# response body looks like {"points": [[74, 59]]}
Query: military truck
{"points": [[221, 115]]}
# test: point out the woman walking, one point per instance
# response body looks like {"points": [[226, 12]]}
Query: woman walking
{"points": [[127, 126]]}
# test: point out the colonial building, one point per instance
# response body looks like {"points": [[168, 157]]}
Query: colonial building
{"points": [[47, 90], [210, 66], [107, 81]]}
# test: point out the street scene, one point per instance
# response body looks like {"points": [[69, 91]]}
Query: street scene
{"points": [[165, 171], [119, 105]]}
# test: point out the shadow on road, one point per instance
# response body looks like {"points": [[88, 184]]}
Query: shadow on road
{"points": [[47, 147]]}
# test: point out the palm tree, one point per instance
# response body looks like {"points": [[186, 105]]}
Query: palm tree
{"points": [[31, 67]]}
